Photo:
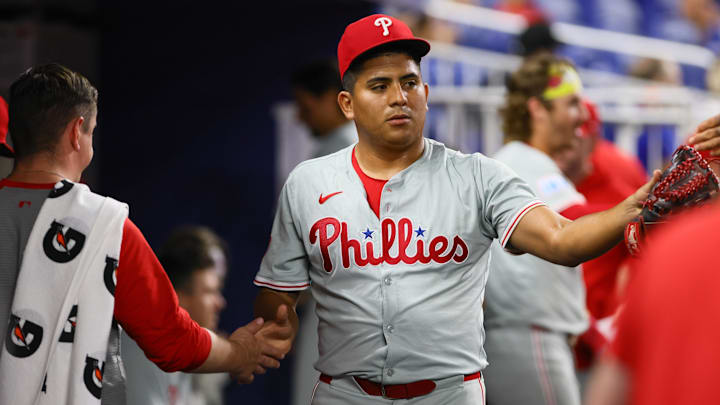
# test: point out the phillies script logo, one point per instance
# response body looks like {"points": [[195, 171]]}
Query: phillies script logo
{"points": [[68, 333], [23, 337], [62, 246], [93, 375], [326, 231], [109, 274]]}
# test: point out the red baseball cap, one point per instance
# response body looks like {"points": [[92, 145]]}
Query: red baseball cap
{"points": [[372, 31], [5, 149]]}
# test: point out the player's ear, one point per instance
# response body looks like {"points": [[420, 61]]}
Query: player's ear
{"points": [[536, 108], [346, 104], [73, 130]]}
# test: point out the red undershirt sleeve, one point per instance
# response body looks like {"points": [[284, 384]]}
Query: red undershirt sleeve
{"points": [[146, 306]]}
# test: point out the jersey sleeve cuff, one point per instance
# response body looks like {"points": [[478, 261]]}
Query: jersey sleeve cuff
{"points": [[279, 285], [515, 221]]}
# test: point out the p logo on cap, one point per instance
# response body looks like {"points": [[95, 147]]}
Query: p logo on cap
{"points": [[385, 22], [372, 31]]}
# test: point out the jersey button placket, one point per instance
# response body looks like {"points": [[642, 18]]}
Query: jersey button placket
{"points": [[386, 286], [386, 198]]}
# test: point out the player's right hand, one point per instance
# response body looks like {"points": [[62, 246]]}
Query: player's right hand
{"points": [[707, 136], [279, 332], [253, 353]]}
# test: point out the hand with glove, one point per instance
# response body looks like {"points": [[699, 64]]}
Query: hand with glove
{"points": [[686, 182]]}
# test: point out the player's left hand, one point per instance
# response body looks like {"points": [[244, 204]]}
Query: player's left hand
{"points": [[278, 333], [707, 136]]}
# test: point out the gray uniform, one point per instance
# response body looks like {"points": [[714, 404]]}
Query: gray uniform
{"points": [[305, 352], [147, 384], [533, 305], [18, 209], [398, 297]]}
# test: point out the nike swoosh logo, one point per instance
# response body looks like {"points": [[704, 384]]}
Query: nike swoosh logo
{"points": [[323, 199]]}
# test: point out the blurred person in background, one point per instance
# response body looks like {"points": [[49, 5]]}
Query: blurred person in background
{"points": [[692, 21], [194, 259], [534, 308], [525, 8], [656, 70], [634, 370], [610, 175], [315, 88], [537, 38], [654, 330], [431, 28], [604, 175]]}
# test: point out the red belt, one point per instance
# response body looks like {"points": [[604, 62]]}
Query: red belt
{"points": [[398, 391]]}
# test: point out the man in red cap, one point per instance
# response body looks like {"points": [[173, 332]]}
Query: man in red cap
{"points": [[393, 234]]}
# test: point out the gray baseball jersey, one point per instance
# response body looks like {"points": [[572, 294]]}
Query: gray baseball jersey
{"points": [[527, 290], [398, 297]]}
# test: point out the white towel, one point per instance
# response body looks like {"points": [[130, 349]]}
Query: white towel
{"points": [[62, 310]]}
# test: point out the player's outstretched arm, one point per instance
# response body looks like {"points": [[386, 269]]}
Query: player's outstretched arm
{"points": [[278, 308], [548, 235], [242, 354]]}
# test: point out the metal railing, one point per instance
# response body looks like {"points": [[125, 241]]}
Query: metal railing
{"points": [[572, 34]]}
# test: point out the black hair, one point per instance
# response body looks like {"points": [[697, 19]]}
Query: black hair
{"points": [[405, 47], [188, 250], [317, 78]]}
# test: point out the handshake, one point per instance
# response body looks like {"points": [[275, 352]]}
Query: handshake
{"points": [[253, 348]]}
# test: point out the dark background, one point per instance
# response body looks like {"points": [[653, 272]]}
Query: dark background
{"points": [[185, 133]]}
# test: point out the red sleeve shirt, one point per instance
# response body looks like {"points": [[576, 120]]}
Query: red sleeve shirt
{"points": [[615, 176], [668, 332], [147, 308]]}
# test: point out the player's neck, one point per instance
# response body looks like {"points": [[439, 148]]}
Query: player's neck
{"points": [[40, 169], [540, 140], [383, 163]]}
